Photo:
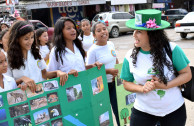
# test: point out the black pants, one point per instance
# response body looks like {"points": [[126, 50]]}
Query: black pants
{"points": [[176, 118], [113, 100]]}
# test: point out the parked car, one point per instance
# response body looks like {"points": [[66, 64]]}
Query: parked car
{"points": [[115, 22], [38, 24], [172, 15], [186, 25]]}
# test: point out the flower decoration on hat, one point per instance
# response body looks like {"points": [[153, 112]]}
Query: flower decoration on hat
{"points": [[151, 24]]}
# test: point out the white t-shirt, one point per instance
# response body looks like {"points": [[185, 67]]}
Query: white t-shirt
{"points": [[159, 102], [87, 41], [32, 69], [70, 61], [103, 54], [44, 50], [9, 83]]}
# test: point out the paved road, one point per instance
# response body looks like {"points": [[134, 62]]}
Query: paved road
{"points": [[125, 42]]}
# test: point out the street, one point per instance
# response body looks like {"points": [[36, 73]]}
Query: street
{"points": [[125, 42]]}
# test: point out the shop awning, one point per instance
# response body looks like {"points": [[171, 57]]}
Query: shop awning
{"points": [[59, 3]]}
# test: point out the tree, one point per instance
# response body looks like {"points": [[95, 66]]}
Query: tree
{"points": [[75, 92], [124, 114]]}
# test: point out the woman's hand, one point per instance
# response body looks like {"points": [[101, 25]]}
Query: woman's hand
{"points": [[98, 64], [74, 72], [113, 72], [149, 86], [28, 83], [157, 83], [63, 77]]}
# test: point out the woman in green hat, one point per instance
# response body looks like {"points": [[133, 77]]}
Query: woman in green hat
{"points": [[148, 71]]}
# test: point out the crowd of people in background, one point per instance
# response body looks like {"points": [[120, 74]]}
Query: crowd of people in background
{"points": [[27, 57]]}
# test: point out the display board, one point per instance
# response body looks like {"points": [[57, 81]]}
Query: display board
{"points": [[125, 99], [82, 101]]}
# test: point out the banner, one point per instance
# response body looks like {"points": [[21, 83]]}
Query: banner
{"points": [[82, 101], [125, 99]]}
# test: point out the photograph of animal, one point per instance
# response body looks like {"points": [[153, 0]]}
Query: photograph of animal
{"points": [[52, 97], [23, 121], [104, 119], [130, 98], [19, 110], [97, 85], [51, 85], [41, 116], [2, 114], [45, 124], [39, 90], [74, 93], [1, 101], [38, 103], [16, 96], [4, 124], [57, 122], [54, 111]]}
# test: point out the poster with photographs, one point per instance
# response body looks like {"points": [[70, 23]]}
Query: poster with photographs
{"points": [[125, 99], [74, 93], [84, 95], [52, 97], [16, 96], [97, 85]]}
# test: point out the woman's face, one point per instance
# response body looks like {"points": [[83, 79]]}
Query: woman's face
{"points": [[85, 26], [101, 33], [3, 27], [141, 39], [26, 41], [3, 63], [69, 31], [43, 38]]}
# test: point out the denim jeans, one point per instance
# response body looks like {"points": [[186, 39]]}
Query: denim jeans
{"points": [[113, 100]]}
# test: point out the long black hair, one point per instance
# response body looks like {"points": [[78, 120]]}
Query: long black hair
{"points": [[39, 32], [15, 55], [2, 33], [159, 44], [59, 41]]}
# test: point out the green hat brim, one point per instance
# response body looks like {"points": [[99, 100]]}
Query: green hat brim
{"points": [[131, 24]]}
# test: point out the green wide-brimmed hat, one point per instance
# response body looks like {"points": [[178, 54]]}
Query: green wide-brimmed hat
{"points": [[148, 19]]}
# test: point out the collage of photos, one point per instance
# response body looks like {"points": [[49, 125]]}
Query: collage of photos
{"points": [[18, 96], [130, 98], [74, 93], [97, 85], [47, 114], [104, 119]]}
